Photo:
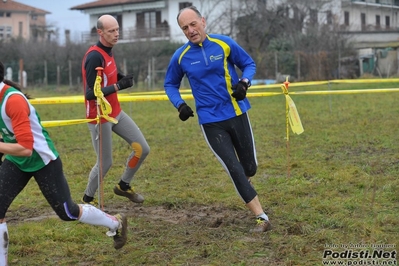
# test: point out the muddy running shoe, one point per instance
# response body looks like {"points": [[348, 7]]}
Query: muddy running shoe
{"points": [[129, 193], [120, 237], [261, 226], [94, 202]]}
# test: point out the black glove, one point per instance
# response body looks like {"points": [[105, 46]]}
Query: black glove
{"points": [[125, 82], [121, 76], [185, 112], [240, 90]]}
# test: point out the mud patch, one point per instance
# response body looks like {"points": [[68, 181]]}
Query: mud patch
{"points": [[213, 216]]}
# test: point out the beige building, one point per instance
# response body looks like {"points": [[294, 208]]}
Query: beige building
{"points": [[22, 21]]}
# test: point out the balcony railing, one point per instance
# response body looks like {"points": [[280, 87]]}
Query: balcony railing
{"points": [[132, 35], [368, 28], [385, 3]]}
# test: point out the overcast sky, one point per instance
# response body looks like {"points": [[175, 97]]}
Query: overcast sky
{"points": [[62, 17]]}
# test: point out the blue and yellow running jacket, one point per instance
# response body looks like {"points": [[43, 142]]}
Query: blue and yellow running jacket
{"points": [[210, 69]]}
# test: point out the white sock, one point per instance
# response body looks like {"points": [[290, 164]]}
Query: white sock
{"points": [[92, 215], [3, 244], [263, 216]]}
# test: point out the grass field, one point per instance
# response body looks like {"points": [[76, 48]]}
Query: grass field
{"points": [[334, 185]]}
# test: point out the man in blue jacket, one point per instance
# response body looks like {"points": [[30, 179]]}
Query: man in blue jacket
{"points": [[208, 61]]}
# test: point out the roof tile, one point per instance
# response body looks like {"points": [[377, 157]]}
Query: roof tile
{"points": [[14, 6]]}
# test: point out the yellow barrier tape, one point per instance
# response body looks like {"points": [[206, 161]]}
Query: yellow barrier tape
{"points": [[58, 100], [354, 81], [163, 97], [259, 94], [162, 92], [140, 98], [294, 118], [345, 91], [56, 123]]}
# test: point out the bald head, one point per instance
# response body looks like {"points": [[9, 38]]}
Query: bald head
{"points": [[192, 8], [105, 20], [108, 29], [192, 24]]}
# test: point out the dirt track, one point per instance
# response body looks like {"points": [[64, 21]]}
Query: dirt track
{"points": [[210, 216]]}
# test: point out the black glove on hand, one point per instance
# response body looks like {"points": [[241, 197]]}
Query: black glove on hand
{"points": [[185, 112], [125, 82], [240, 90], [121, 76]]}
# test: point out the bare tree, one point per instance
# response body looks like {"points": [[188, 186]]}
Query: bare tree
{"points": [[220, 15], [294, 35]]}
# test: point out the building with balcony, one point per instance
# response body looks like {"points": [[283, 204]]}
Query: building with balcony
{"points": [[22, 21], [371, 23], [368, 22], [372, 26], [150, 19]]}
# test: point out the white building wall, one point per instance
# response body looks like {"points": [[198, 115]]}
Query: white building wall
{"points": [[129, 20], [176, 33], [93, 21], [371, 9]]}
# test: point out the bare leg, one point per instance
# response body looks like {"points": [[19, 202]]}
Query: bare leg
{"points": [[263, 223], [254, 206]]}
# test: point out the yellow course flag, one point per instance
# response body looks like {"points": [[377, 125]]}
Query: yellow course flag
{"points": [[293, 116], [295, 120], [105, 106]]}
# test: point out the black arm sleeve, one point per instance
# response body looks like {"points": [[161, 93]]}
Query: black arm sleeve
{"points": [[106, 91], [93, 60]]}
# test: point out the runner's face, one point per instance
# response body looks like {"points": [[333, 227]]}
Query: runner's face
{"points": [[110, 33], [192, 26]]}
